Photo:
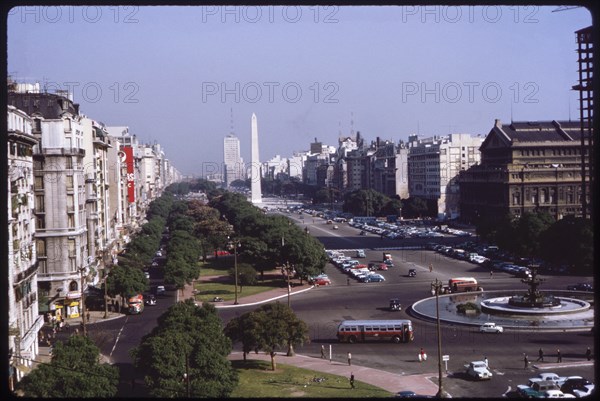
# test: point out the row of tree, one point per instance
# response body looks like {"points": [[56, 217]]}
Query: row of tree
{"points": [[372, 203], [269, 241], [569, 241]]}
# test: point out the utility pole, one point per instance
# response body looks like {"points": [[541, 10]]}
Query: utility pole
{"points": [[437, 286]]}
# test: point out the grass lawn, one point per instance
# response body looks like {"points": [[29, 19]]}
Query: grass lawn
{"points": [[224, 288], [258, 381]]}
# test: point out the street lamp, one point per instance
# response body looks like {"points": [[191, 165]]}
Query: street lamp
{"points": [[81, 270], [437, 286], [235, 244]]}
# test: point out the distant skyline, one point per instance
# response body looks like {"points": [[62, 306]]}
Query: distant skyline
{"points": [[172, 74]]}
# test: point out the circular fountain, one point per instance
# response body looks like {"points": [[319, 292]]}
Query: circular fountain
{"points": [[517, 309]]}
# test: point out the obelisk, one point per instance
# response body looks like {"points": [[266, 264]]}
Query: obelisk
{"points": [[255, 169]]}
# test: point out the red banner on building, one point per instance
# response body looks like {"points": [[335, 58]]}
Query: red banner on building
{"points": [[128, 150]]}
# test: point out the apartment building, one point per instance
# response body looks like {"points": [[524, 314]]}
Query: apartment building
{"points": [[24, 321]]}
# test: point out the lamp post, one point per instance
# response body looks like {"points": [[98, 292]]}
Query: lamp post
{"points": [[437, 286], [235, 244], [81, 270]]}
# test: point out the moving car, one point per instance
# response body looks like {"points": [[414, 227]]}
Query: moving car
{"points": [[535, 388], [150, 299], [478, 370], [395, 304], [412, 272], [335, 227], [158, 290], [322, 281], [375, 278], [491, 327]]}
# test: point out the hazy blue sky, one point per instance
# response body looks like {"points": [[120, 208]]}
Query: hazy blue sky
{"points": [[172, 74]]}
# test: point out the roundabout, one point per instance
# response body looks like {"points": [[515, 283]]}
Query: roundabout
{"points": [[573, 312]]}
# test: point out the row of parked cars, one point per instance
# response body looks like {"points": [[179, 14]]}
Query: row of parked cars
{"points": [[354, 268], [469, 253], [551, 385]]}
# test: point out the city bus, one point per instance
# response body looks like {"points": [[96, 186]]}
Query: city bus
{"points": [[397, 331], [135, 304], [463, 284]]}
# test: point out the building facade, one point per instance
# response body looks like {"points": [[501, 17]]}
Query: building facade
{"points": [[24, 321], [434, 165], [233, 165], [526, 167]]}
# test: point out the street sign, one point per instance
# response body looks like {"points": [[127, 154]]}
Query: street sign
{"points": [[445, 357]]}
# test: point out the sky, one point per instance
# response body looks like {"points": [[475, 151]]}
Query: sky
{"points": [[186, 76]]}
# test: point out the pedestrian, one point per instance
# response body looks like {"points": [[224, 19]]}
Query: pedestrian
{"points": [[525, 361], [558, 356], [491, 274], [541, 355], [588, 354], [322, 351], [422, 355], [87, 316], [348, 281], [430, 268], [352, 380], [349, 359], [486, 362]]}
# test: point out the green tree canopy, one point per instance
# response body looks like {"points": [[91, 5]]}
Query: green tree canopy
{"points": [[73, 372], [126, 281], [244, 329], [188, 342], [570, 241]]}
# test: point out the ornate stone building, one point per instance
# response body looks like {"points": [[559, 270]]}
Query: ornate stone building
{"points": [[525, 167]]}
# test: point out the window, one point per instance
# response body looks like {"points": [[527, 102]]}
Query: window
{"points": [[41, 248], [71, 220], [38, 182], [70, 204], [40, 222], [71, 248], [69, 161], [69, 181], [39, 204]]}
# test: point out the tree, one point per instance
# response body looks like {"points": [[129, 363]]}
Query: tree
{"points": [[73, 372], [525, 240], [569, 240], [414, 207], [187, 346], [246, 275], [278, 327], [126, 281], [244, 329]]}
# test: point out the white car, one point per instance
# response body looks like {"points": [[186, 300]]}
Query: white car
{"points": [[556, 394], [553, 377], [478, 370], [491, 327]]}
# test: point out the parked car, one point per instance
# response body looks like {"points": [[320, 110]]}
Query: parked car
{"points": [[147, 275], [389, 263], [556, 394], [574, 383], [382, 266], [553, 377], [584, 391], [535, 388], [322, 281], [158, 254], [478, 370], [362, 232], [360, 253], [581, 287], [491, 327], [375, 278]]}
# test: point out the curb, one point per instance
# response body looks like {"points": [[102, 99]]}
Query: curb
{"points": [[264, 300]]}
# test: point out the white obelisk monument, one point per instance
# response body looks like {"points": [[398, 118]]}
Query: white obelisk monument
{"points": [[255, 168]]}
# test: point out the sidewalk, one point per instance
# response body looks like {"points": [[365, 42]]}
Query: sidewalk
{"points": [[419, 383]]}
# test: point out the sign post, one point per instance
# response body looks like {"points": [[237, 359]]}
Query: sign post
{"points": [[446, 358]]}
